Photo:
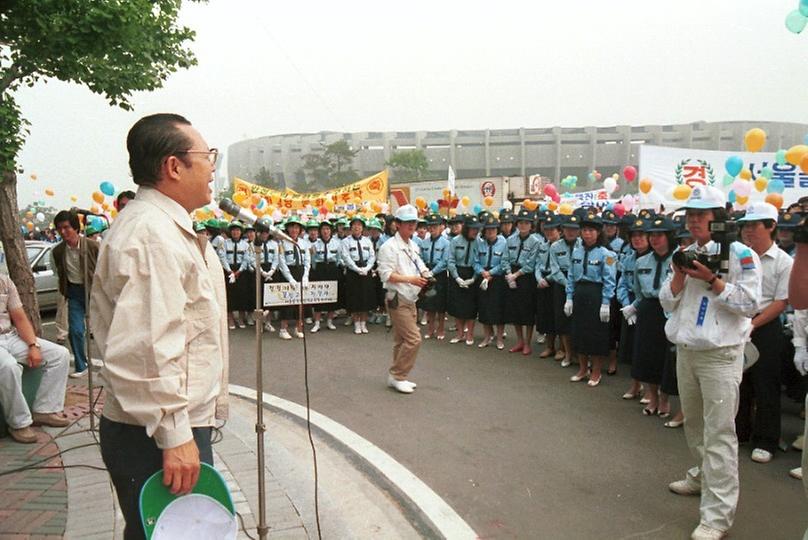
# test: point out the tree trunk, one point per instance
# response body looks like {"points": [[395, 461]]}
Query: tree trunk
{"points": [[14, 247]]}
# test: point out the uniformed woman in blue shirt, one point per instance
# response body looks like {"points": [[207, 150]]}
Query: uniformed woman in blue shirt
{"points": [[638, 240], [545, 316], [652, 350], [491, 265], [360, 290], [560, 260], [590, 289], [235, 256], [520, 293], [461, 301], [325, 267], [295, 264], [435, 254], [268, 265]]}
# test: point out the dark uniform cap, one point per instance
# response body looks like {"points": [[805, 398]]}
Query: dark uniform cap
{"points": [[660, 224], [789, 220], [456, 219], [325, 223], [682, 232], [679, 220], [735, 216], [491, 223], [211, 223], [610, 218], [572, 222], [235, 224], [552, 221], [541, 215], [249, 227], [628, 220], [506, 216], [592, 220], [638, 225], [482, 215], [647, 213], [524, 215], [433, 219], [472, 222]]}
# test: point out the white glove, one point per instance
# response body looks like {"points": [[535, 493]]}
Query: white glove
{"points": [[568, 308], [510, 278], [543, 283], [305, 282], [629, 311], [266, 275], [470, 281], [362, 271], [484, 284], [293, 283], [231, 278], [801, 360], [461, 282], [605, 313]]}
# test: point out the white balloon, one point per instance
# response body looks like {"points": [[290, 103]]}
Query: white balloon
{"points": [[40, 217], [507, 205], [610, 184]]}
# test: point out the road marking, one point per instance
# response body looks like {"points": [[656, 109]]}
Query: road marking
{"points": [[436, 510]]}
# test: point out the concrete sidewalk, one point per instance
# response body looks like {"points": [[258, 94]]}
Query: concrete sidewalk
{"points": [[78, 501]]}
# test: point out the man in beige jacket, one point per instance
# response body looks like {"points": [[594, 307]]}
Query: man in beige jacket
{"points": [[157, 309]]}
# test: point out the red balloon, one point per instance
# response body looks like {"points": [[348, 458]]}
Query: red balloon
{"points": [[550, 190], [629, 173], [324, 210], [556, 198], [619, 209]]}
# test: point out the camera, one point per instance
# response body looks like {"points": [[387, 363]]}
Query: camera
{"points": [[428, 290], [723, 233]]}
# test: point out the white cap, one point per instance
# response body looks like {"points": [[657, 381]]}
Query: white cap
{"points": [[759, 211], [407, 213], [705, 198]]}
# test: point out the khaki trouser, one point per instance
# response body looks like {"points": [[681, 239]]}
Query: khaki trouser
{"points": [[709, 391], [406, 338], [61, 317]]}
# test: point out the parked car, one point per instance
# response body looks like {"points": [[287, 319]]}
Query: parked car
{"points": [[39, 257]]}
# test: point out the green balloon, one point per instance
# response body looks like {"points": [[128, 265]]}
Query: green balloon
{"points": [[781, 157], [766, 173], [796, 21], [728, 179]]}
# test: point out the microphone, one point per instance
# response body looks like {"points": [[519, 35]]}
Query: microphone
{"points": [[261, 224]]}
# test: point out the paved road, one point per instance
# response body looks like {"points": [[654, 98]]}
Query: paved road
{"points": [[513, 446]]}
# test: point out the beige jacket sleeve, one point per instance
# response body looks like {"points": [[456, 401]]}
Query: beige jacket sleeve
{"points": [[217, 277]]}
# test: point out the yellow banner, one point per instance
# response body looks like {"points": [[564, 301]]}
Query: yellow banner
{"points": [[372, 188]]}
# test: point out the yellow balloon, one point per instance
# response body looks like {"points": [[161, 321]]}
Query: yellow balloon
{"points": [[98, 197], [746, 174], [240, 197], [552, 206], [761, 183], [446, 193], [33, 177], [113, 213], [94, 209], [755, 139], [465, 201], [329, 204], [420, 202], [29, 214], [795, 154], [682, 192], [565, 209], [73, 198], [30, 226], [49, 192], [741, 200], [488, 201], [646, 185], [804, 163], [775, 199]]}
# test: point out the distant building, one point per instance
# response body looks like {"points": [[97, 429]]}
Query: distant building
{"points": [[551, 152]]}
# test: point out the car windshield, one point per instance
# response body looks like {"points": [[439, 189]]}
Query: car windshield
{"points": [[31, 252]]}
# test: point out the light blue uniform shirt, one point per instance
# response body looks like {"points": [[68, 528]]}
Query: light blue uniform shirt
{"points": [[350, 252], [238, 253], [625, 285], [645, 272], [292, 255], [462, 253], [492, 256], [561, 259], [596, 265], [326, 252], [435, 253], [543, 267], [522, 253]]}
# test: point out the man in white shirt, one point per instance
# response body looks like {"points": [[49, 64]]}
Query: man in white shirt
{"points": [[758, 419], [710, 321], [403, 273]]}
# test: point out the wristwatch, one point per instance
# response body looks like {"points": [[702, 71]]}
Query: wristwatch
{"points": [[35, 344]]}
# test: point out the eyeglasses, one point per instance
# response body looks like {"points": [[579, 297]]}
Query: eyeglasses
{"points": [[213, 154]]}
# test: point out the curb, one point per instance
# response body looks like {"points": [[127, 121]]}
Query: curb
{"points": [[414, 494]]}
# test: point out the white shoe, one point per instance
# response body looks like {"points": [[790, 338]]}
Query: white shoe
{"points": [[357, 328], [540, 338], [330, 325], [250, 321], [566, 363], [703, 532], [364, 327], [685, 487], [388, 322], [798, 443], [796, 473], [241, 324], [348, 322], [232, 326], [315, 328], [308, 320], [423, 321], [268, 327], [299, 334], [284, 334], [78, 374], [401, 386], [759, 455]]}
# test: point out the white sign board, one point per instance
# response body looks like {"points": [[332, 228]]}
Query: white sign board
{"points": [[476, 189], [284, 294], [668, 167]]}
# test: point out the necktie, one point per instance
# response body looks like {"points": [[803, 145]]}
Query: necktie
{"points": [[519, 253], [235, 253], [586, 260], [297, 256], [547, 263], [432, 254], [658, 272], [468, 252], [361, 255], [325, 252], [490, 254], [266, 253]]}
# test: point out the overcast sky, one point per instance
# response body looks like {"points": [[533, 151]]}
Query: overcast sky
{"points": [[286, 67]]}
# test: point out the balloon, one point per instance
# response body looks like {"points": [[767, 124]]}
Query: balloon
{"points": [[616, 176], [434, 206], [315, 212], [645, 185], [761, 183], [734, 165], [239, 197], [107, 188], [766, 173], [755, 139], [682, 192], [742, 188], [795, 154], [29, 214], [775, 199], [30, 226], [49, 192], [804, 164], [629, 173], [565, 209], [452, 212], [420, 202], [329, 204], [731, 197], [376, 206], [619, 209], [33, 178], [742, 200], [324, 210], [113, 213], [796, 21], [507, 205], [73, 198], [610, 185], [488, 201], [776, 186], [628, 202], [556, 198], [728, 179], [477, 208], [98, 197], [550, 190], [781, 157], [94, 209], [105, 206], [746, 174], [447, 193], [465, 201], [804, 8], [552, 206]]}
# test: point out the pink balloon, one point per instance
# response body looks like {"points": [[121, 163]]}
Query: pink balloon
{"points": [[742, 187], [629, 173], [550, 190], [556, 198], [619, 209], [628, 203]]}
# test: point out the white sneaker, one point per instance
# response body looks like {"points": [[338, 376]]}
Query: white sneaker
{"points": [[299, 334], [364, 326], [315, 328], [759, 455], [250, 321], [284, 334], [78, 374], [231, 326], [330, 325], [796, 473], [685, 487], [241, 324], [798, 443], [357, 328], [268, 327], [703, 532], [401, 386], [566, 363], [423, 320], [540, 338]]}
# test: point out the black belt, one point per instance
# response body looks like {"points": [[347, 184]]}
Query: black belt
{"points": [[515, 267]]}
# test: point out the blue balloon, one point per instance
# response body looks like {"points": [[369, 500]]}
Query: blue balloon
{"points": [[734, 165], [314, 211], [805, 139], [107, 189], [796, 21], [434, 206], [731, 197], [543, 208], [477, 209], [776, 186]]}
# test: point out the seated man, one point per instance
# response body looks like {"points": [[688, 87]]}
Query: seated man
{"points": [[19, 346]]}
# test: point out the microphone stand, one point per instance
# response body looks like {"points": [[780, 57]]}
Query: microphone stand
{"points": [[260, 428], [87, 334]]}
